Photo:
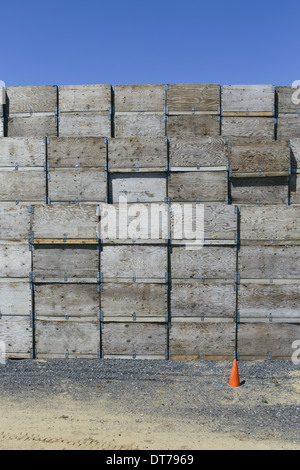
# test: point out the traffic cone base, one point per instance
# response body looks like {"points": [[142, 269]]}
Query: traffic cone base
{"points": [[234, 378]]}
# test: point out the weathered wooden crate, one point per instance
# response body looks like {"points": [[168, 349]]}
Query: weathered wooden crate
{"points": [[134, 340], [193, 99], [202, 339], [209, 263], [134, 187], [15, 221], [260, 190], [288, 126], [191, 126], [22, 152], [137, 263], [251, 128], [133, 301], [288, 99], [69, 301], [65, 264], [203, 187], [198, 154], [23, 184], [85, 98], [81, 124], [77, 185], [15, 298], [69, 152], [15, 260], [31, 99], [36, 125], [139, 125], [270, 224], [67, 339], [248, 100], [139, 98], [267, 340], [203, 300], [65, 223], [16, 336], [137, 154]]}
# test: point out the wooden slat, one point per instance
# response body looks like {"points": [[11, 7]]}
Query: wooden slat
{"points": [[188, 127], [82, 185], [1, 126], [295, 188], [134, 338], [78, 124], [260, 190], [66, 152], [207, 186], [197, 152], [245, 99], [269, 262], [193, 98], [150, 187], [15, 221], [15, 260], [139, 125], [32, 126], [288, 126], [26, 152], [139, 98], [91, 98], [253, 128], [288, 99], [25, 184], [31, 99], [16, 334], [295, 148], [15, 298]]}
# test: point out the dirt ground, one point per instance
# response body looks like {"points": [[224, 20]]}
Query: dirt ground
{"points": [[148, 405]]}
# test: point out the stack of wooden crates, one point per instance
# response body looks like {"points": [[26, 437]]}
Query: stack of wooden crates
{"points": [[77, 162]]}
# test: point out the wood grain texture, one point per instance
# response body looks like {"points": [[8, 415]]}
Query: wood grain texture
{"points": [[26, 152], [288, 126], [15, 298], [142, 98], [288, 99], [25, 184], [262, 262], [248, 98], [252, 128], [15, 221], [35, 99], [139, 125], [204, 187], [188, 127], [193, 98], [146, 188], [16, 334], [260, 190], [66, 152], [295, 188], [82, 185], [32, 126], [201, 152], [92, 124], [91, 98], [15, 260], [137, 153]]}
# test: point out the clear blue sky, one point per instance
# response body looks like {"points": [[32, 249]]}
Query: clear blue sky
{"points": [[149, 41]]}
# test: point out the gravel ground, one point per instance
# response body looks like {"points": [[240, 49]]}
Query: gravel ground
{"points": [[188, 396]]}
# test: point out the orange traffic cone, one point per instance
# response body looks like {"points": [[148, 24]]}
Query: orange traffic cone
{"points": [[234, 378]]}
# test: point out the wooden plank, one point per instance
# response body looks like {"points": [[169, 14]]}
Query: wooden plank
{"points": [[269, 262], [288, 99], [202, 300], [288, 126], [245, 99], [270, 223], [67, 300], [198, 152], [193, 98], [25, 152], [66, 152], [15, 260], [189, 127], [137, 154], [139, 125], [31, 99], [15, 221], [139, 98], [65, 222], [68, 264], [91, 124], [25, 184], [1, 125], [63, 338], [295, 148], [72, 185], [134, 339], [134, 262], [16, 334], [147, 187], [15, 298], [267, 340], [211, 262], [260, 190], [88, 98], [200, 339], [132, 301], [295, 188], [43, 125], [252, 128], [207, 186]]}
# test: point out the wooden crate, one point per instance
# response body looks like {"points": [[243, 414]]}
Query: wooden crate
{"points": [[137, 154], [288, 99], [77, 185], [15, 260], [80, 124], [139, 98], [139, 125], [24, 184], [80, 301], [67, 152], [15, 221], [193, 99], [198, 153], [195, 125], [65, 264], [138, 263], [204, 186], [202, 339], [67, 339], [31, 99], [133, 301], [209, 263], [251, 128], [134, 340], [63, 223], [267, 340], [84, 98], [260, 190], [37, 125], [16, 334], [288, 126], [15, 298], [23, 152], [144, 188], [248, 100], [203, 300]]}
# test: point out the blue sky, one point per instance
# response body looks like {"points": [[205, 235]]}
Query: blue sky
{"points": [[149, 41]]}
